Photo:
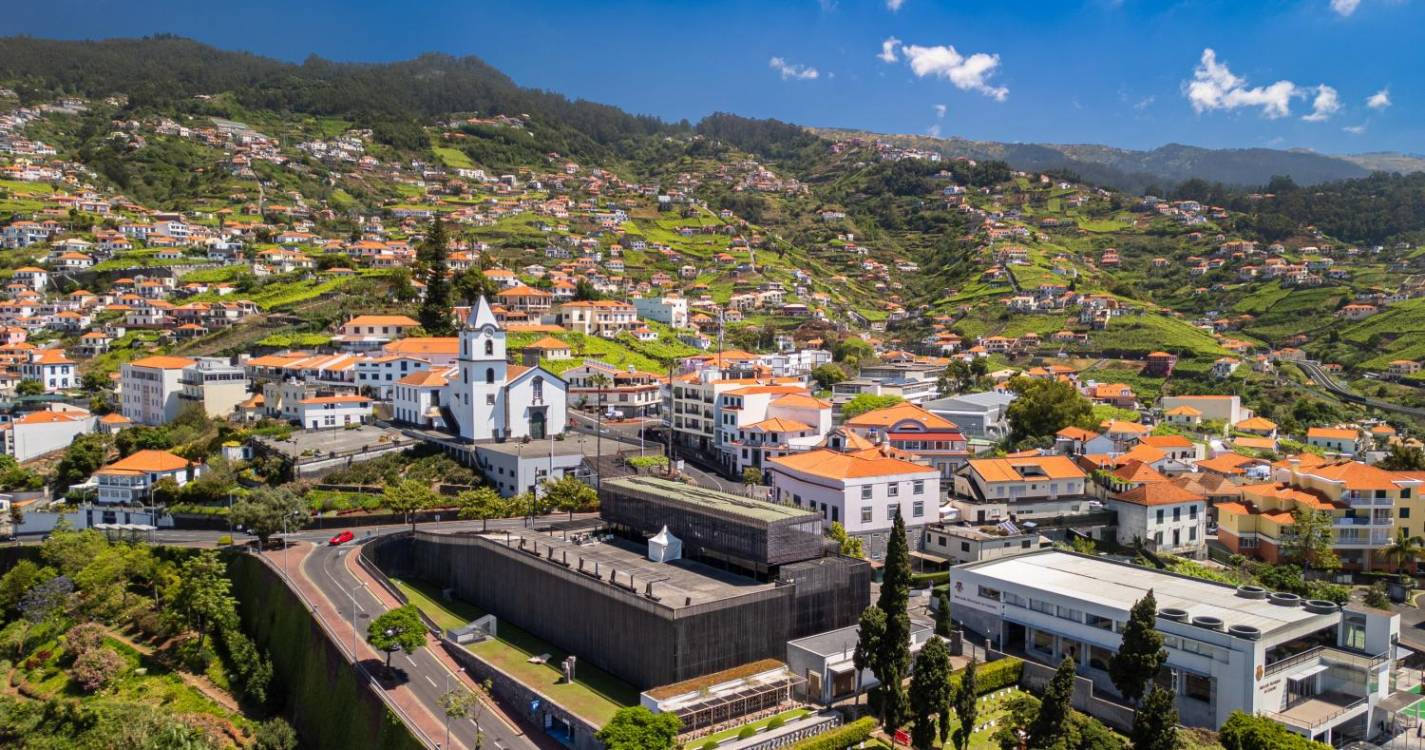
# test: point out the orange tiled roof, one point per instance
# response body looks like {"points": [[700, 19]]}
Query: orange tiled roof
{"points": [[861, 464]]}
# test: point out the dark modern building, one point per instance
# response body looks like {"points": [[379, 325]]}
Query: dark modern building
{"points": [[752, 578]]}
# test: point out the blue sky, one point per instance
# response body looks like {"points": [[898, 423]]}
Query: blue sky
{"points": [[1331, 75]]}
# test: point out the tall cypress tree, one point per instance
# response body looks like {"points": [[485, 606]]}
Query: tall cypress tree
{"points": [[967, 706], [1156, 726], [1141, 654], [929, 692], [435, 308], [1055, 709], [869, 630], [894, 647]]}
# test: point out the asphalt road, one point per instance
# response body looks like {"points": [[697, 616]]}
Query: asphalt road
{"points": [[427, 676]]}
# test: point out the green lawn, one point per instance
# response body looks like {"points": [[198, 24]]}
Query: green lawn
{"points": [[453, 157], [595, 694], [727, 734]]}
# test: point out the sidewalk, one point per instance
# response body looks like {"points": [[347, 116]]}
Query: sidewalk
{"points": [[434, 647], [418, 718]]}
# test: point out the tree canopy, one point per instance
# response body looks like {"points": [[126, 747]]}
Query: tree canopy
{"points": [[637, 728]]}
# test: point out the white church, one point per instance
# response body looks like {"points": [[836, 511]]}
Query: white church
{"points": [[483, 397]]}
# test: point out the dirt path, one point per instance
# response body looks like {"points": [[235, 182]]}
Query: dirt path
{"points": [[198, 682]]}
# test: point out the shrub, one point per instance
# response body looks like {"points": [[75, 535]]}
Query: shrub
{"points": [[840, 738], [1377, 597], [746, 732], [83, 638], [992, 676], [776, 723], [921, 580], [275, 734], [709, 745], [225, 540], [96, 669]]}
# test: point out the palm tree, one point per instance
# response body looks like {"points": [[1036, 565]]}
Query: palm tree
{"points": [[1405, 549]]}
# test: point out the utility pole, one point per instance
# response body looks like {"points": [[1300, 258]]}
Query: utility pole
{"points": [[668, 436]]}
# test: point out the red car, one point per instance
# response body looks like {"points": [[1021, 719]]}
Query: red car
{"points": [[342, 538]]}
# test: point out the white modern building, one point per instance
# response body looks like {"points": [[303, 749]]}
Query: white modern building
{"points": [[1320, 669], [982, 416], [329, 412], [668, 310], [149, 388], [39, 432], [216, 385]]}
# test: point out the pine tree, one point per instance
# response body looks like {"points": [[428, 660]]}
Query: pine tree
{"points": [[966, 706], [869, 630], [1141, 653], [1055, 709], [929, 691], [435, 308], [1156, 726]]}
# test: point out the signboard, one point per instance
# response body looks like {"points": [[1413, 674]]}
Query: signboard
{"points": [[968, 595]]}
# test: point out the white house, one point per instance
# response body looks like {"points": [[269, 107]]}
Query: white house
{"points": [[862, 490], [669, 310], [129, 480], [322, 412], [52, 369], [40, 432], [1164, 517]]}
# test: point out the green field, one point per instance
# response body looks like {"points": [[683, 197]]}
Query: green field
{"points": [[453, 157]]}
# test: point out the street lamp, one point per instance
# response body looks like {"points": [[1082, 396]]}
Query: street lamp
{"points": [[351, 594]]}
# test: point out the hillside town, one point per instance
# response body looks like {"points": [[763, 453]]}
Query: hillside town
{"points": [[766, 429]]}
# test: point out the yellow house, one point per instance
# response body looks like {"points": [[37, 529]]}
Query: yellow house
{"points": [[1367, 505]]}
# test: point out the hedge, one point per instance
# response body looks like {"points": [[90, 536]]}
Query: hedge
{"points": [[992, 676], [919, 580], [840, 738]]}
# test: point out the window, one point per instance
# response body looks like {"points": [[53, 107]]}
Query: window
{"points": [[1177, 513], [1197, 687], [1160, 515], [866, 492], [1404, 512], [893, 489], [917, 509], [539, 388], [1404, 493], [989, 593], [1192, 533], [918, 487], [1192, 512], [866, 514], [490, 380], [964, 546], [892, 511]]}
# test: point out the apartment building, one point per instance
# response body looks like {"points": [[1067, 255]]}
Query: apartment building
{"points": [[623, 393], [367, 332], [1367, 506], [862, 490], [213, 384], [1164, 517], [668, 310], [605, 317], [693, 404], [149, 388], [1022, 487], [759, 422]]}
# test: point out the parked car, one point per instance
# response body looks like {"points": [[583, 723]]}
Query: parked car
{"points": [[342, 538]]}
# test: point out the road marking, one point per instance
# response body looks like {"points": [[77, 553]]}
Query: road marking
{"points": [[431, 681]]}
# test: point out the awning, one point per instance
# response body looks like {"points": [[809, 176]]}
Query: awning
{"points": [[1311, 671], [842, 668]]}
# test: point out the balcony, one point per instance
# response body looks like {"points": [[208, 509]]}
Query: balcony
{"points": [[1348, 522], [1365, 500]]}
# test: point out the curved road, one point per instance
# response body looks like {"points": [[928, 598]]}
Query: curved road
{"points": [[1319, 376]]}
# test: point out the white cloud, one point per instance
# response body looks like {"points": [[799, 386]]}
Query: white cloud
{"points": [[1144, 103], [894, 5], [933, 131], [1326, 103], [1355, 129], [940, 111], [1379, 100], [1214, 86], [1345, 8], [793, 71], [888, 49], [827, 6], [966, 73]]}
